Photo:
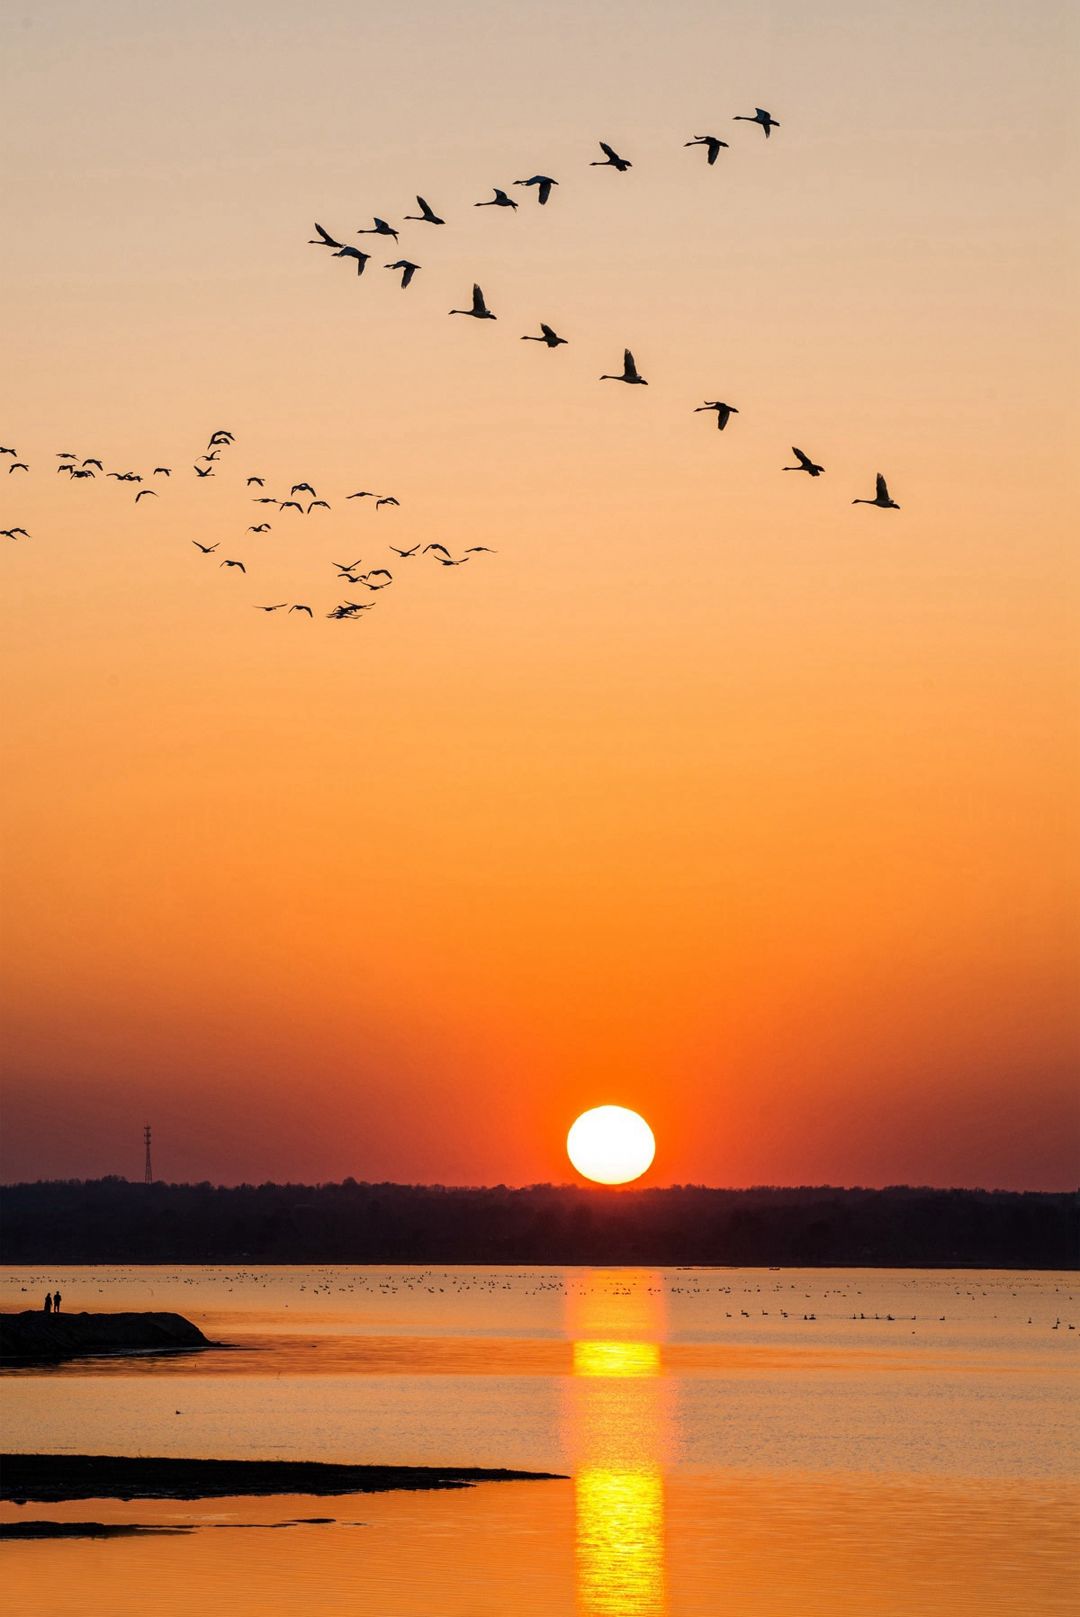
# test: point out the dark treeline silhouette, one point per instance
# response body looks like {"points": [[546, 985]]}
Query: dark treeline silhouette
{"points": [[116, 1221]]}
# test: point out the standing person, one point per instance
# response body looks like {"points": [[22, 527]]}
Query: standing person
{"points": [[56, 1302], [48, 1304]]}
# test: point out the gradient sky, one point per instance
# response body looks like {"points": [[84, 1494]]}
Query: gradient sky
{"points": [[711, 794]]}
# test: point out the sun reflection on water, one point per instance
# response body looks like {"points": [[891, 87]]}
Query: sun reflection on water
{"points": [[618, 1433]]}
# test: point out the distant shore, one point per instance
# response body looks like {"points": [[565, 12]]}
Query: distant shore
{"points": [[54, 1477], [34, 1337], [116, 1221]]}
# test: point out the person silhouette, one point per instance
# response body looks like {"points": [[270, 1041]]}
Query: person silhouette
{"points": [[48, 1304], [56, 1302]]}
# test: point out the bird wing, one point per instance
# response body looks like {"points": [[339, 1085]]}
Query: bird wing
{"points": [[436, 547], [629, 368], [882, 488], [803, 460], [478, 300], [608, 151]]}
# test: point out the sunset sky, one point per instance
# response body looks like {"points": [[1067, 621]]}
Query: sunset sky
{"points": [[710, 794]]}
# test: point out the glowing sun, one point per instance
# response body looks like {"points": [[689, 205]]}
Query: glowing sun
{"points": [[611, 1144]]}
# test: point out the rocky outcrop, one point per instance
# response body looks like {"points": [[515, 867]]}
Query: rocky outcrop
{"points": [[40, 1338]]}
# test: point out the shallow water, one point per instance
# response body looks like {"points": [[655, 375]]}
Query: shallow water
{"points": [[742, 1440]]}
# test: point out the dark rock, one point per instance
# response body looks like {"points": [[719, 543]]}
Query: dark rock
{"points": [[40, 1338]]}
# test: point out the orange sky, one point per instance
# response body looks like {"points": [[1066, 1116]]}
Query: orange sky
{"points": [[710, 794]]}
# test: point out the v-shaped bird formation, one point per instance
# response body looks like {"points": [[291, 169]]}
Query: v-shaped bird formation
{"points": [[302, 498]]}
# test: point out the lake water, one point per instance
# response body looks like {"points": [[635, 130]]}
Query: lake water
{"points": [[735, 1441]]}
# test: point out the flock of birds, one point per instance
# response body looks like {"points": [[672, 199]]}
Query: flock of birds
{"points": [[885, 1296], [302, 497], [479, 309]]}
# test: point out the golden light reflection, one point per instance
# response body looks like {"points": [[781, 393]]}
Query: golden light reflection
{"points": [[616, 1358], [620, 1541], [618, 1432]]}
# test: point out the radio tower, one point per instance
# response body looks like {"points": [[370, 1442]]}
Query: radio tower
{"points": [[148, 1174]]}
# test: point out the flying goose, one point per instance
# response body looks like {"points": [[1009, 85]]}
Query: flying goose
{"points": [[479, 310], [724, 412], [325, 238], [426, 216], [711, 142], [629, 372], [379, 228], [547, 335], [543, 183], [227, 563], [805, 464], [881, 497], [207, 550], [499, 200], [407, 268], [611, 159], [765, 119], [353, 252]]}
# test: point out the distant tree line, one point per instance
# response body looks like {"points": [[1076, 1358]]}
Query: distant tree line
{"points": [[114, 1221]]}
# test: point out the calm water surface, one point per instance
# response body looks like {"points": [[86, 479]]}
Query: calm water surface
{"points": [[734, 1440]]}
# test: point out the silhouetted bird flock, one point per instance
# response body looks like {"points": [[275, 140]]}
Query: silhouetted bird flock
{"points": [[303, 498], [479, 308]]}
